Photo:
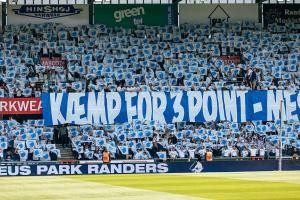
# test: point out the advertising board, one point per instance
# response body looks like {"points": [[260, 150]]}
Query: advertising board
{"points": [[199, 14], [21, 106], [128, 16], [68, 15], [285, 13]]}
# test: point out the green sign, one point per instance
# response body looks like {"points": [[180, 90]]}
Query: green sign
{"points": [[128, 16]]}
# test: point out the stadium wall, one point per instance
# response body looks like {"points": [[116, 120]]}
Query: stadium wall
{"points": [[128, 16], [143, 167], [195, 14], [68, 15], [285, 13]]}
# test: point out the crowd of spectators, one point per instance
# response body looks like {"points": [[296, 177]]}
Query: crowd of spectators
{"points": [[145, 140], [188, 57], [169, 58], [29, 140]]}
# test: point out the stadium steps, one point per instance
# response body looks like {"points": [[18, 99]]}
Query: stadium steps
{"points": [[66, 153]]}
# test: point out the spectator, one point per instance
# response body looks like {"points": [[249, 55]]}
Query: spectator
{"points": [[234, 152], [253, 151], [245, 153], [262, 152], [190, 62], [106, 156], [1, 154], [8, 156], [295, 154], [253, 79], [63, 136]]}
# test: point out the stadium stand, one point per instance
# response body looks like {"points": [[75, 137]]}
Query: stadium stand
{"points": [[148, 58], [164, 59], [27, 141], [153, 140]]}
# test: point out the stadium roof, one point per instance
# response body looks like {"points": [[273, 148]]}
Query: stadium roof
{"points": [[38, 2]]}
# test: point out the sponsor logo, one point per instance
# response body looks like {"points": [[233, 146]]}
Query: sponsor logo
{"points": [[231, 59], [128, 168], [292, 12], [52, 62], [197, 167], [127, 13], [218, 14], [121, 168], [20, 106], [47, 12], [281, 15]]}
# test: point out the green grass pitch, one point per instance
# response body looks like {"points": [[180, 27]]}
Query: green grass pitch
{"points": [[231, 186]]}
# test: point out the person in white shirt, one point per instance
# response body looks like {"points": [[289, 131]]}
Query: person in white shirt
{"points": [[202, 152], [226, 152], [181, 152], [164, 142], [262, 152], [245, 153], [191, 153], [173, 154], [45, 51], [234, 152], [86, 152], [253, 152], [1, 154], [146, 155], [120, 89], [138, 155]]}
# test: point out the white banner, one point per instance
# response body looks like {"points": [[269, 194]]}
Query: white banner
{"points": [[199, 14], [69, 15]]}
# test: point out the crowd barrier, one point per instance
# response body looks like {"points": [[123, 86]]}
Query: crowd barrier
{"points": [[143, 167]]}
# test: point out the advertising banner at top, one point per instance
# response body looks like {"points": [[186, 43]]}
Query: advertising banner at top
{"points": [[68, 15], [281, 14], [128, 16], [200, 14], [169, 107]]}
